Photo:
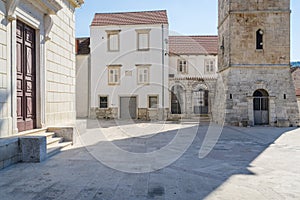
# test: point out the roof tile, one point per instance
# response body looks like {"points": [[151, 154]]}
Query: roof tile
{"points": [[130, 18], [193, 45]]}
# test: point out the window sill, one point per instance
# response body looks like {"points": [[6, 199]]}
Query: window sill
{"points": [[143, 49]]}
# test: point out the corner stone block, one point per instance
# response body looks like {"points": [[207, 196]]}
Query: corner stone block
{"points": [[33, 148]]}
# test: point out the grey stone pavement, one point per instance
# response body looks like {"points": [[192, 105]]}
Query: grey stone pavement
{"points": [[246, 163]]}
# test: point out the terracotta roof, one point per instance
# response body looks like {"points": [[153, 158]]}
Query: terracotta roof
{"points": [[293, 69], [130, 18], [193, 45], [82, 46]]}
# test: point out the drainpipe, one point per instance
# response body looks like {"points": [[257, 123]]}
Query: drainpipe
{"points": [[163, 70]]}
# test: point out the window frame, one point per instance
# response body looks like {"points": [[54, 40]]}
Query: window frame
{"points": [[109, 34], [185, 66], [139, 67], [118, 69], [103, 96], [142, 31], [157, 101], [211, 66]]}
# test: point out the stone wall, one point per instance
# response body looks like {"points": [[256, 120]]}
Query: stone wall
{"points": [[245, 69], [61, 72], [104, 113], [190, 85], [5, 120], [277, 82]]}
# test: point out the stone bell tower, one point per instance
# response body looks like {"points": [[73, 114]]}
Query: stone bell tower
{"points": [[255, 85]]}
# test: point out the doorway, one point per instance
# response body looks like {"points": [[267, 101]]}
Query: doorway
{"points": [[176, 99], [261, 107], [128, 107], [26, 77], [200, 99]]}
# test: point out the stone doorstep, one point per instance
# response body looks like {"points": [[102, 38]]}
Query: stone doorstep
{"points": [[35, 145]]}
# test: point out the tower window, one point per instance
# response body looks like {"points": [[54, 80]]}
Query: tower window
{"points": [[259, 39]]}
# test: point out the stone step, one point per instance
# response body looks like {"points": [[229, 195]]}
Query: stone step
{"points": [[54, 140], [55, 148], [47, 134], [33, 131], [198, 119]]}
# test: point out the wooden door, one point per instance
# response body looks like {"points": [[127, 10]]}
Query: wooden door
{"points": [[26, 77]]}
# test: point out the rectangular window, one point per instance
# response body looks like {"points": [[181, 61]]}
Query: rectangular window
{"points": [[153, 101], [103, 102], [114, 75], [143, 39], [209, 66], [182, 66], [113, 40], [143, 74]]}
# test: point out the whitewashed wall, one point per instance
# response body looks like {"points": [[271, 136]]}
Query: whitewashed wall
{"points": [[128, 57], [82, 83], [195, 64]]}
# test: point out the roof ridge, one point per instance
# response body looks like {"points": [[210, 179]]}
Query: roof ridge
{"points": [[193, 35], [131, 12]]}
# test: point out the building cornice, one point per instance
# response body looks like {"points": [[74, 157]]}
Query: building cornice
{"points": [[76, 3], [49, 6]]}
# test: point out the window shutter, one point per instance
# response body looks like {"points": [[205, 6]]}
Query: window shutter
{"points": [[143, 41], [113, 42]]}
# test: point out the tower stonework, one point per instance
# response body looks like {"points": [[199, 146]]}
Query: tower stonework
{"points": [[254, 85]]}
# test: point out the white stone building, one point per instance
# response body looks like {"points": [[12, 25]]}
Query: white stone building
{"points": [[129, 74], [192, 75], [37, 64], [83, 69]]}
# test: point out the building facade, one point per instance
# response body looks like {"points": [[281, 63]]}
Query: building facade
{"points": [[37, 64], [192, 75], [83, 69], [255, 85], [129, 71]]}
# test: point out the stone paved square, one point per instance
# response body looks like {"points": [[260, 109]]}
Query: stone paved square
{"points": [[246, 163]]}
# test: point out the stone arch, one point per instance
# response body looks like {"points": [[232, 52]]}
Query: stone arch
{"points": [[177, 93], [200, 99], [261, 107]]}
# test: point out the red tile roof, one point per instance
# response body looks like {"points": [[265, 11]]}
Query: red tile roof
{"points": [[130, 18], [297, 92], [193, 45]]}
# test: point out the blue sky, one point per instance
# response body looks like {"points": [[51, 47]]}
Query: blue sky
{"points": [[190, 17]]}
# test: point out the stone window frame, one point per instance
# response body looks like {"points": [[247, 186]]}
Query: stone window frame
{"points": [[107, 100], [184, 66], [138, 68], [142, 31], [157, 100], [109, 34], [209, 68], [116, 68]]}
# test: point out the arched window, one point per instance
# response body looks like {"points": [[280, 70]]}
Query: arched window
{"points": [[259, 39]]}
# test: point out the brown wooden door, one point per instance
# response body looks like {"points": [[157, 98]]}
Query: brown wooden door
{"points": [[26, 76]]}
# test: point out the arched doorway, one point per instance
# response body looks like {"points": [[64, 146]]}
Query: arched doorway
{"points": [[200, 100], [176, 99], [261, 107]]}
